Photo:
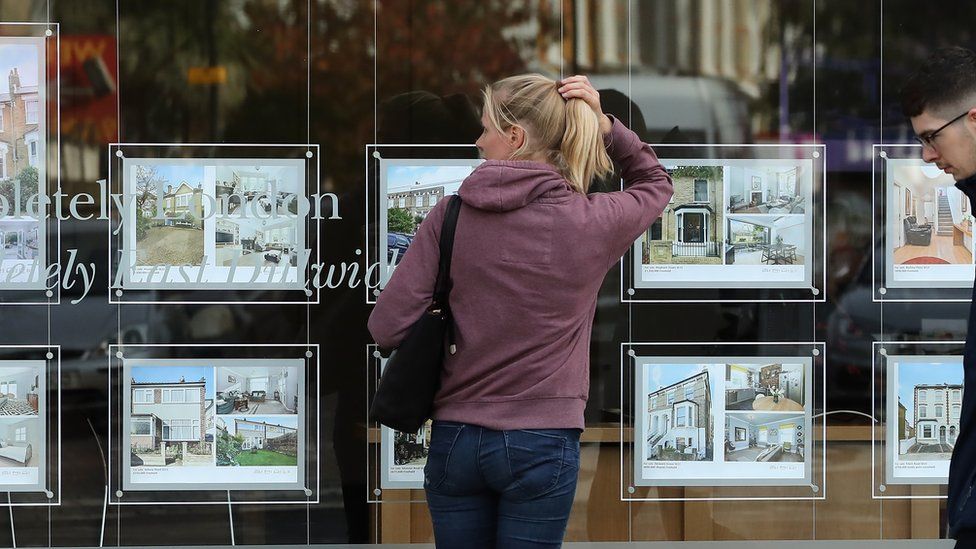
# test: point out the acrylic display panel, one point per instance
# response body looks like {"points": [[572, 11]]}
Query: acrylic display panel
{"points": [[217, 222], [205, 426], [29, 125], [745, 425], [30, 407], [744, 223], [405, 183], [924, 231], [919, 393], [395, 460]]}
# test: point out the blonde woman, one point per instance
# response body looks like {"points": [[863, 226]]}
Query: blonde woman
{"points": [[530, 254]]}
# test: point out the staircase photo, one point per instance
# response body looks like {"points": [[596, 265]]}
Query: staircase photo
{"points": [[945, 216]]}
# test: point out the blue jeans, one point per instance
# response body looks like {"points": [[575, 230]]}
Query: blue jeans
{"points": [[508, 489]]}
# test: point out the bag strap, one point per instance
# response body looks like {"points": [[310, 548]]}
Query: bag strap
{"points": [[442, 288]]}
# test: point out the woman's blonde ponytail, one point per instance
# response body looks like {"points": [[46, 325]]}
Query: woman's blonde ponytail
{"points": [[582, 146], [565, 133]]}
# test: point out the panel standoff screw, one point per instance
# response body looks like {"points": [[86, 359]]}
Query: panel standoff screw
{"points": [[376, 154]]}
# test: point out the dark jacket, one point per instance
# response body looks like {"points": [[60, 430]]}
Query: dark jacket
{"points": [[961, 507]]}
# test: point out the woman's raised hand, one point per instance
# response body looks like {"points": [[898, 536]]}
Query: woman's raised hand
{"points": [[579, 87]]}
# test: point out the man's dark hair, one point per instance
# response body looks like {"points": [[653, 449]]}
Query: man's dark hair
{"points": [[947, 77]]}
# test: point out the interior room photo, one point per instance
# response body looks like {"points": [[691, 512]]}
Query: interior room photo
{"points": [[930, 219], [765, 190], [765, 240], [256, 242], [764, 387], [257, 390], [764, 437], [260, 189], [19, 238], [19, 440], [19, 391]]}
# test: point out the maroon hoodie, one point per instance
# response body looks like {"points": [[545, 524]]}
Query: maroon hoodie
{"points": [[530, 255]]}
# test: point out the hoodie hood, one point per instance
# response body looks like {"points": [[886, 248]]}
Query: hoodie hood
{"points": [[506, 185]]}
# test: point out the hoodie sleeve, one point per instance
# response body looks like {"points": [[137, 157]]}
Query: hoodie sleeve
{"points": [[411, 288], [647, 192]]}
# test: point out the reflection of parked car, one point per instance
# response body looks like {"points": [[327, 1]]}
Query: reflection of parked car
{"points": [[273, 255], [399, 243]]}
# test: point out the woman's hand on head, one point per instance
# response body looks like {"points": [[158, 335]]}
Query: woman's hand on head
{"points": [[579, 87]]}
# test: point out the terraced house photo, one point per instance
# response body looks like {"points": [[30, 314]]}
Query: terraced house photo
{"points": [[21, 112], [689, 232], [678, 425], [257, 441], [176, 237], [171, 422], [931, 396]]}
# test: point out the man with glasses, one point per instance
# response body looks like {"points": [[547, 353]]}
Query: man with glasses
{"points": [[940, 100]]}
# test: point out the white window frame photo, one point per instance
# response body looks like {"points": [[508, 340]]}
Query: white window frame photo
{"points": [[20, 434], [696, 200], [31, 107], [679, 219]]}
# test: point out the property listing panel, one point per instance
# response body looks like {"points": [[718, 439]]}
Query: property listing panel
{"points": [[733, 421], [924, 407], [929, 236], [213, 424], [213, 223], [731, 223], [23, 176], [23, 435]]}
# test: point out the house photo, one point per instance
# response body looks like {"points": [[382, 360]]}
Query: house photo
{"points": [[256, 242], [21, 442], [19, 238], [258, 191], [252, 441], [770, 438], [765, 387], [171, 421], [678, 422], [257, 390], [20, 390], [689, 231], [931, 395], [929, 219], [175, 238], [765, 240], [412, 448], [412, 190], [21, 109], [765, 190]]}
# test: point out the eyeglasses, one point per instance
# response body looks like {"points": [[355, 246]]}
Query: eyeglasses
{"points": [[928, 139]]}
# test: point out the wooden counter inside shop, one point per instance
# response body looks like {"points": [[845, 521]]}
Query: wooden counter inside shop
{"points": [[848, 512]]}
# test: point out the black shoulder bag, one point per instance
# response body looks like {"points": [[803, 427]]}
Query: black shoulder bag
{"points": [[405, 394]]}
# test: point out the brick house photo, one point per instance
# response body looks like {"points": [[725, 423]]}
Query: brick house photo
{"points": [[689, 232], [679, 424], [177, 236]]}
